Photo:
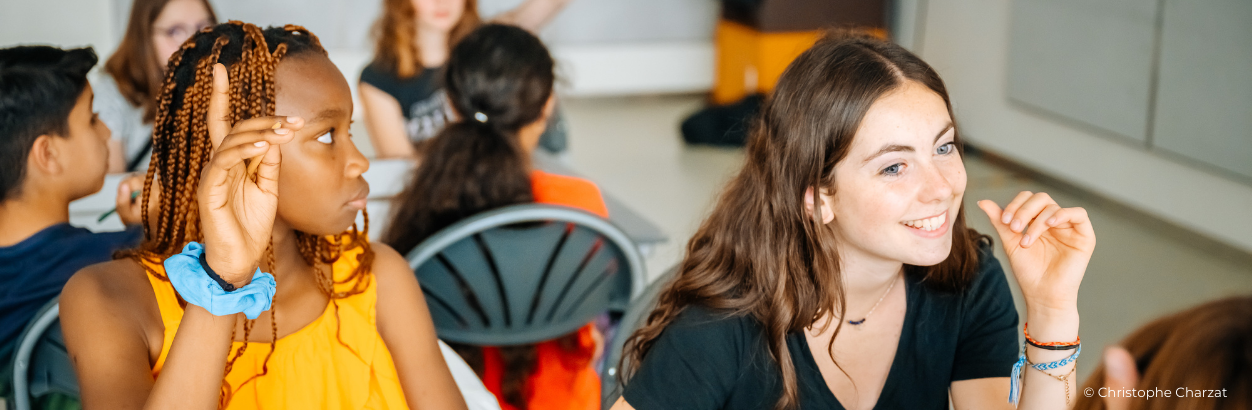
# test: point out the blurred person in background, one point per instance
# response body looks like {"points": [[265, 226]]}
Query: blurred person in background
{"points": [[401, 92], [53, 150], [127, 89], [1201, 357], [499, 81]]}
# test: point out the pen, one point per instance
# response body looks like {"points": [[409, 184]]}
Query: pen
{"points": [[133, 195]]}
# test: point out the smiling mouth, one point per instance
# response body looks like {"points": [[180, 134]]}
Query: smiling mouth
{"points": [[928, 224]]}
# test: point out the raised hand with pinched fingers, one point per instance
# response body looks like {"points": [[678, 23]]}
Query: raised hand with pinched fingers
{"points": [[238, 192], [1048, 247]]}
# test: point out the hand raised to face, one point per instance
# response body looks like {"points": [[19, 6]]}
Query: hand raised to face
{"points": [[1048, 247], [238, 192]]}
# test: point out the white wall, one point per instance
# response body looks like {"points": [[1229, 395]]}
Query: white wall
{"points": [[600, 22], [967, 42], [64, 23], [602, 47], [346, 24]]}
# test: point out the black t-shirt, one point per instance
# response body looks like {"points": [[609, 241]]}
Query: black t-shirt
{"points": [[421, 97], [706, 360]]}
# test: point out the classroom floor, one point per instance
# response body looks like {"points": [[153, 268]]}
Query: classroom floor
{"points": [[631, 147]]}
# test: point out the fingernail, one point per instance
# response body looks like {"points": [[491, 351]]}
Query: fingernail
{"points": [[1052, 221], [282, 131], [1006, 217], [1017, 225], [260, 144], [293, 119], [1025, 240]]}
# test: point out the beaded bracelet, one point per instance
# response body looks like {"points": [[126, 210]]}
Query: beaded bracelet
{"points": [[1015, 379]]}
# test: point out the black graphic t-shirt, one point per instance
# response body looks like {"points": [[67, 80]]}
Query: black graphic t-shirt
{"points": [[421, 97]]}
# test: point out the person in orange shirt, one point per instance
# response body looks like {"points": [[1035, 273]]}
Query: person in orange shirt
{"points": [[499, 81]]}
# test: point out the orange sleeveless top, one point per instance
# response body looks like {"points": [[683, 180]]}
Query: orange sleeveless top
{"points": [[555, 189], [311, 369]]}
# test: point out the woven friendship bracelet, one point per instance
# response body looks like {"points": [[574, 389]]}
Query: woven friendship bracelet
{"points": [[1056, 364], [1015, 379], [1041, 345]]}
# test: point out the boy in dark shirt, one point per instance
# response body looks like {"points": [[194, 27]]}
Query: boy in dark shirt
{"points": [[52, 151]]}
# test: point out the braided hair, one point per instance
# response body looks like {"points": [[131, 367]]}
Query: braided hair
{"points": [[181, 148]]}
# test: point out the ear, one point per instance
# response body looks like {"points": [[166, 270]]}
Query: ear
{"points": [[44, 157], [550, 106], [828, 214], [453, 114]]}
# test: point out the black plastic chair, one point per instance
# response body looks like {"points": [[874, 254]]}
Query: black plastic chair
{"points": [[41, 364], [524, 274], [635, 316]]}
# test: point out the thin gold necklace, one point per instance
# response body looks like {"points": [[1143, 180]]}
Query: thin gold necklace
{"points": [[871, 310]]}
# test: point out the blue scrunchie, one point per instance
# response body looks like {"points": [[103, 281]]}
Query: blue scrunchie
{"points": [[197, 288]]}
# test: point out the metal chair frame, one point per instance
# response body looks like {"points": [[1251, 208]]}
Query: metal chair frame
{"points": [[640, 307], [30, 338], [430, 249]]}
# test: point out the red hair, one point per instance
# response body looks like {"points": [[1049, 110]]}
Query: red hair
{"points": [[395, 35]]}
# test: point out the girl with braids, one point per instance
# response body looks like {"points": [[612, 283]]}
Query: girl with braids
{"points": [[836, 270], [243, 116], [499, 81]]}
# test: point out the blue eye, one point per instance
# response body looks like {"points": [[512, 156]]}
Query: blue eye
{"points": [[946, 149], [894, 169]]}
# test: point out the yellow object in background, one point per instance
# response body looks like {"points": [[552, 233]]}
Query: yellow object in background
{"points": [[749, 61]]}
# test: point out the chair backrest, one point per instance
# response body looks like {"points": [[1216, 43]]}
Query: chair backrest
{"points": [[41, 364], [524, 274], [634, 318]]}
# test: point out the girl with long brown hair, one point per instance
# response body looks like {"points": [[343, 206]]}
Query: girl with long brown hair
{"points": [[400, 90], [131, 79], [253, 160], [836, 270]]}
